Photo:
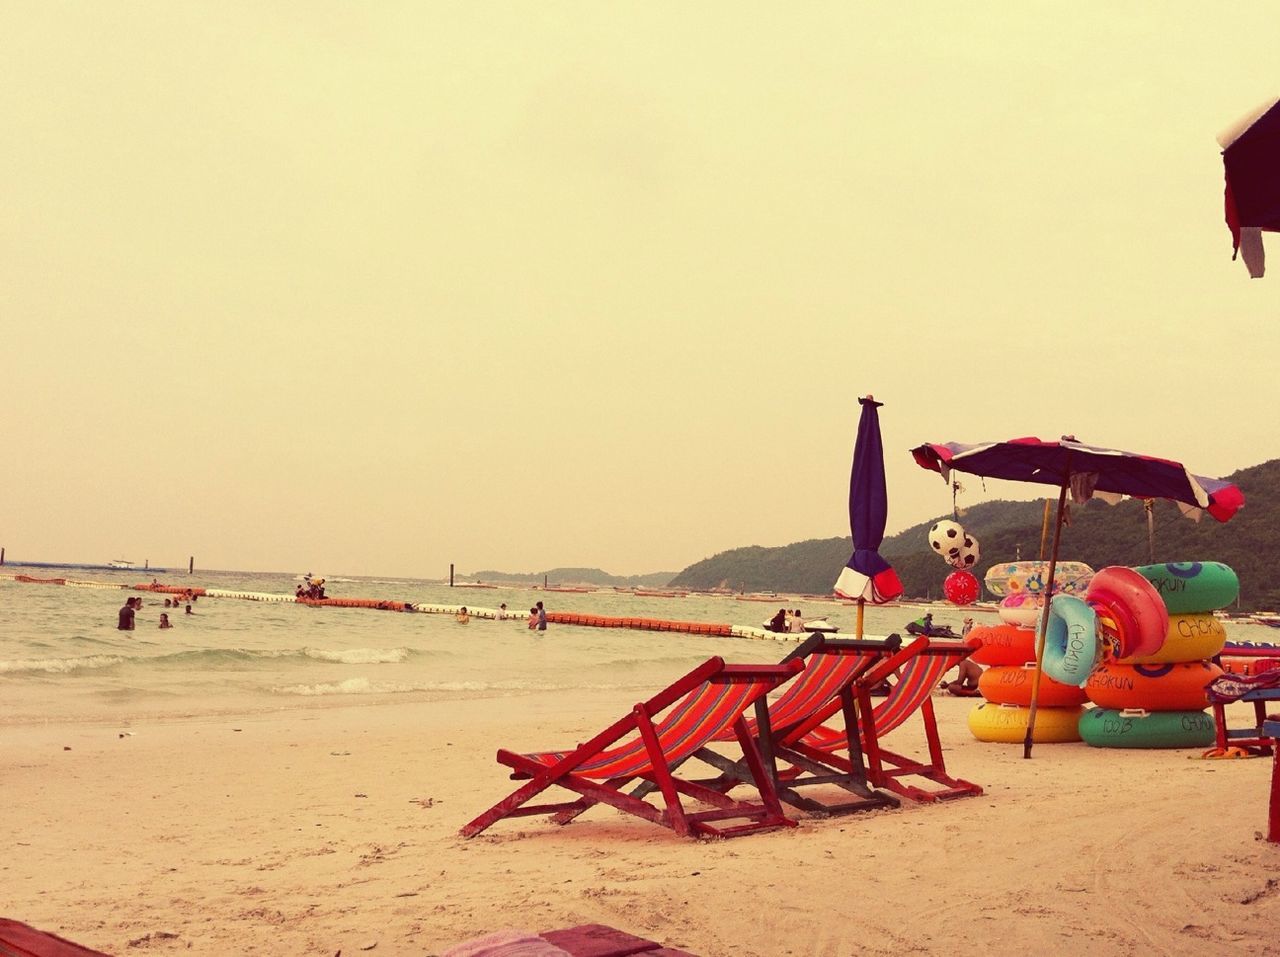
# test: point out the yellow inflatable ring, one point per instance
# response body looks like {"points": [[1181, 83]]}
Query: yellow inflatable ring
{"points": [[1007, 724], [1192, 637]]}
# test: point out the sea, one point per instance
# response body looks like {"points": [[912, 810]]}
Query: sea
{"points": [[62, 658]]}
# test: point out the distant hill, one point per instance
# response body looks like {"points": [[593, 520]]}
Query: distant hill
{"points": [[575, 576], [1099, 534]]}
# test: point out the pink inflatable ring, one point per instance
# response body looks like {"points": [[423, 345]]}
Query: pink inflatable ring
{"points": [[1130, 610]]}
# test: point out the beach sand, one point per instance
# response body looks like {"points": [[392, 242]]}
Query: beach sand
{"points": [[334, 829]]}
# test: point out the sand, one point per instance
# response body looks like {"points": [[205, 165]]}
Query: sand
{"points": [[335, 829]]}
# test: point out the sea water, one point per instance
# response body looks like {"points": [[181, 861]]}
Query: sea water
{"points": [[63, 659]]}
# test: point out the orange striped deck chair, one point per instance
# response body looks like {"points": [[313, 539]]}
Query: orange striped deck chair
{"points": [[647, 745], [911, 694], [832, 666]]}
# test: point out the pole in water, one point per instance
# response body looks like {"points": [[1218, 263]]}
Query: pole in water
{"points": [[191, 564], [544, 582], [451, 574], [1, 556]]}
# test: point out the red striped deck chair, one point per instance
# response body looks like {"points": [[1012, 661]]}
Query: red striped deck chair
{"points": [[825, 687], [647, 745], [911, 694]]}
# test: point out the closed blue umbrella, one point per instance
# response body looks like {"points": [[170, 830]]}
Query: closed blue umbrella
{"points": [[868, 577]]}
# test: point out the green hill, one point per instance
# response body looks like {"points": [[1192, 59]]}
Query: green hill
{"points": [[1099, 534], [575, 576]]}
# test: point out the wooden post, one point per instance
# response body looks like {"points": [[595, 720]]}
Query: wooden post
{"points": [[544, 582], [1150, 505], [1, 556], [1044, 619], [451, 574], [191, 564]]}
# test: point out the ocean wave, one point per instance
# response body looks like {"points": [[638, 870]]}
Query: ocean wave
{"points": [[365, 686], [360, 656], [347, 656], [59, 666]]}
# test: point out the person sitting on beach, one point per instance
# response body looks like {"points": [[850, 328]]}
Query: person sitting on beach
{"points": [[126, 616], [164, 620], [463, 615], [778, 622], [966, 683], [796, 623]]}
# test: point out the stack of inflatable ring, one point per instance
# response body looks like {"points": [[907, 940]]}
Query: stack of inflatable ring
{"points": [[1157, 700], [1009, 653]]}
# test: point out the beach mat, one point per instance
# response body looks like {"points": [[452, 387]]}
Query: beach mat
{"points": [[585, 940], [21, 940]]}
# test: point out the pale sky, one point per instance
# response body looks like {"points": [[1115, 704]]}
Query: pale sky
{"points": [[373, 288]]}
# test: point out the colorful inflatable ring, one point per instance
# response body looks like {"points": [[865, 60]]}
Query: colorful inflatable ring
{"points": [[1011, 684], [1070, 640], [1004, 645], [1022, 608], [1130, 610], [1193, 586], [1159, 687], [1007, 724], [1108, 728], [1008, 578], [1189, 638]]}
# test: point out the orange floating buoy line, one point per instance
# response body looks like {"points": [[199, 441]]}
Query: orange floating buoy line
{"points": [[641, 624], [711, 629]]}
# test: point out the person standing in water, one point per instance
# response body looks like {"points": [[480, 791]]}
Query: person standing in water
{"points": [[542, 617], [533, 617], [125, 622]]}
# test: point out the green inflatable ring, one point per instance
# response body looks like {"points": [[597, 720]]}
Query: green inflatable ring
{"points": [[1193, 586], [1108, 728]]}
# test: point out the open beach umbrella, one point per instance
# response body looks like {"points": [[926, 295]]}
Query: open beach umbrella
{"points": [[1083, 470], [1251, 161], [867, 577]]}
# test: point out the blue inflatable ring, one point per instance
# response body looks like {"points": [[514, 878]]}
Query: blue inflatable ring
{"points": [[1071, 641]]}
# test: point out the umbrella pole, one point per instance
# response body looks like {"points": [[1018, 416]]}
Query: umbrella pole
{"points": [[1044, 621], [1150, 505], [861, 605]]}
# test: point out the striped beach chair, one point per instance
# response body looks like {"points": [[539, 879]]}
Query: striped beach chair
{"points": [[648, 745], [832, 667], [826, 688], [911, 694]]}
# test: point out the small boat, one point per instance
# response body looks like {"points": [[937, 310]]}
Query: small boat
{"points": [[811, 625], [119, 563]]}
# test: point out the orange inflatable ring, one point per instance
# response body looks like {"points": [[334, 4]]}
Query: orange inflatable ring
{"points": [[1011, 684], [1004, 645], [1158, 687]]}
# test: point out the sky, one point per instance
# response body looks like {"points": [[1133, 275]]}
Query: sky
{"points": [[377, 288]]}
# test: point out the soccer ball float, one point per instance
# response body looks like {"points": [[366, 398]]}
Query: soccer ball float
{"points": [[958, 549]]}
